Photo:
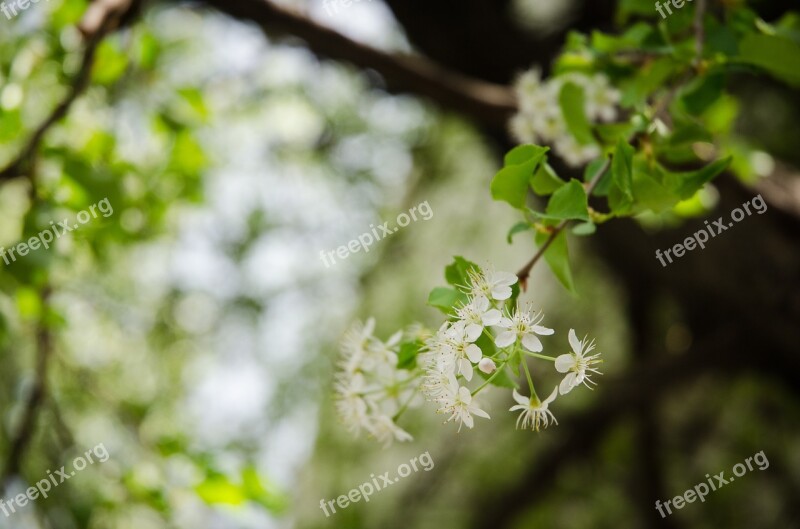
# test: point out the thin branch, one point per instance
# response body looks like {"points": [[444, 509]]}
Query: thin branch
{"points": [[525, 271], [101, 18], [38, 394], [699, 31], [489, 103]]}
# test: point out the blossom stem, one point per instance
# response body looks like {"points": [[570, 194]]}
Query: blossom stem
{"points": [[537, 355], [528, 375], [404, 407], [489, 380]]}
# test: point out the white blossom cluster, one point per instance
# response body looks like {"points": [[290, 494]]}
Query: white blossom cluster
{"points": [[369, 388], [371, 391], [541, 121]]}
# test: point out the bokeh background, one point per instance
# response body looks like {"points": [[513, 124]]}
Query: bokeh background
{"points": [[194, 331]]}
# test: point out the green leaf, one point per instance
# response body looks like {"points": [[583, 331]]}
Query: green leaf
{"points": [[446, 299], [648, 79], [457, 273], [573, 106], [260, 490], [702, 93], [557, 257], [519, 227], [29, 304], [569, 202], [584, 228], [511, 183], [685, 184], [109, 64], [545, 180], [523, 154], [591, 170], [407, 358], [777, 55], [622, 168], [501, 380], [220, 490]]}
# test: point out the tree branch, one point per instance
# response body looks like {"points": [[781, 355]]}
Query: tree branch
{"points": [[101, 18], [488, 103], [525, 271], [38, 394]]}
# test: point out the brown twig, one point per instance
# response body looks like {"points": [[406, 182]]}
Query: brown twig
{"points": [[525, 271], [38, 394], [699, 31], [101, 18], [487, 102]]}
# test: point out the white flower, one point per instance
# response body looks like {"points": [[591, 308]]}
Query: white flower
{"points": [[466, 353], [435, 384], [528, 83], [477, 315], [522, 129], [577, 364], [533, 96], [487, 365], [354, 345], [491, 284], [601, 99], [534, 412], [381, 355], [459, 405], [350, 404], [550, 127], [385, 430], [575, 154], [523, 326]]}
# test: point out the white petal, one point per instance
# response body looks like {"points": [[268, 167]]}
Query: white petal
{"points": [[567, 384], [474, 353], [464, 395], [473, 332], [523, 401], [467, 419], [543, 331], [491, 317], [505, 323], [565, 362], [480, 413], [394, 339], [501, 293], [505, 338], [465, 368], [551, 398], [481, 303], [532, 343], [504, 278], [574, 342], [518, 407]]}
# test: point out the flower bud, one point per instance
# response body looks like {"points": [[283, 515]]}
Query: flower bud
{"points": [[487, 365]]}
